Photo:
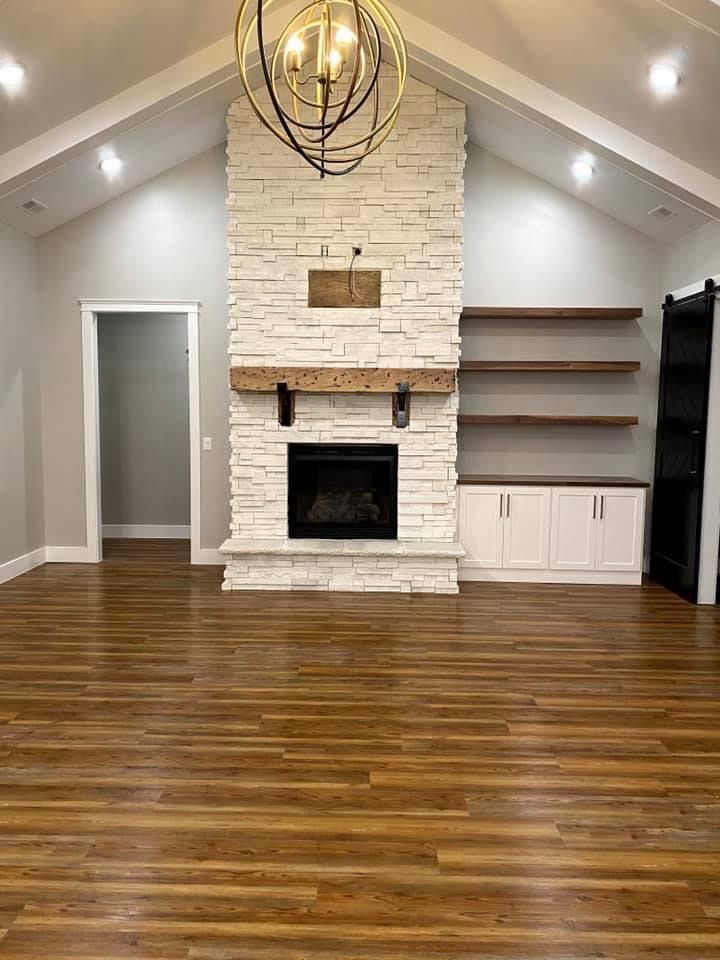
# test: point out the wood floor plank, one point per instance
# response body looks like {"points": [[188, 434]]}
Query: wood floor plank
{"points": [[522, 772]]}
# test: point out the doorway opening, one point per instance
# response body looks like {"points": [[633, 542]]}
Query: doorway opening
{"points": [[142, 424]]}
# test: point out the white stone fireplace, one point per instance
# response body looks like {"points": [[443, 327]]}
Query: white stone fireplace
{"points": [[404, 207]]}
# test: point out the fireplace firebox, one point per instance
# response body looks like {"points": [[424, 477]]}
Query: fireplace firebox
{"points": [[339, 491]]}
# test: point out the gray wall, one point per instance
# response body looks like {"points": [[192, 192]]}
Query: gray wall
{"points": [[694, 258], [144, 419], [529, 244], [163, 240], [21, 474]]}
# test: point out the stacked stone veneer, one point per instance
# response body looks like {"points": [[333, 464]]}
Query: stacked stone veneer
{"points": [[404, 206]]}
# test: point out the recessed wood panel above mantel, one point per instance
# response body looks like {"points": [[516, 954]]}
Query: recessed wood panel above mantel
{"points": [[343, 289], [343, 379]]}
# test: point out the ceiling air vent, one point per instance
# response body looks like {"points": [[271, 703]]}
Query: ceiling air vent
{"points": [[33, 206], [662, 213]]}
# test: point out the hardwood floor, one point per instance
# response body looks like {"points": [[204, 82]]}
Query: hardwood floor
{"points": [[520, 772]]}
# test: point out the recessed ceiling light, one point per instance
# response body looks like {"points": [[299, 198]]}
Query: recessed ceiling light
{"points": [[111, 165], [583, 171], [664, 78], [11, 74]]}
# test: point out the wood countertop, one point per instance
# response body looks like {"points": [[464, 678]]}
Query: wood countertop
{"points": [[494, 480]]}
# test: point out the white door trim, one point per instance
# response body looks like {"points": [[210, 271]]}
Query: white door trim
{"points": [[89, 311]]}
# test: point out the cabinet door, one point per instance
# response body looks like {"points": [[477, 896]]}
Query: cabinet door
{"points": [[527, 528], [573, 528], [481, 525], [621, 529]]}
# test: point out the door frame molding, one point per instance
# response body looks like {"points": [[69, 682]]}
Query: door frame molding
{"points": [[90, 310]]}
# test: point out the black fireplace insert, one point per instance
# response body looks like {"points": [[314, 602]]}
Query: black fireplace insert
{"points": [[339, 492]]}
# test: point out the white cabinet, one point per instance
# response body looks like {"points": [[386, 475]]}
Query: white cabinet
{"points": [[505, 527], [553, 534], [574, 528], [482, 512], [621, 521], [526, 533]]}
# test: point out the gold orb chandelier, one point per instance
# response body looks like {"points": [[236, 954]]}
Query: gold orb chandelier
{"points": [[335, 78]]}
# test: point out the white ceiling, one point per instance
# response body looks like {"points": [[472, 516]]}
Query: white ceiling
{"points": [[79, 100]]}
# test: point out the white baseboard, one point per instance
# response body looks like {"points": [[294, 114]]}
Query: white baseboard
{"points": [[69, 555], [467, 574], [18, 566], [145, 531], [209, 558], [14, 568]]}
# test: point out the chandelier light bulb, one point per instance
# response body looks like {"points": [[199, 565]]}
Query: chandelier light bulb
{"points": [[294, 52], [335, 62], [345, 37], [295, 44]]}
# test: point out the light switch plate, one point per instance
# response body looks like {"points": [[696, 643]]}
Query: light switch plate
{"points": [[207, 443]]}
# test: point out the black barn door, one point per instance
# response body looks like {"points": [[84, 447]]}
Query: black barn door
{"points": [[681, 435]]}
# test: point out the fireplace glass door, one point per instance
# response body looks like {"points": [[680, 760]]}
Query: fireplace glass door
{"points": [[342, 492]]}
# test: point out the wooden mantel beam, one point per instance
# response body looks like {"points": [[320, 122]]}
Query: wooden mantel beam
{"points": [[343, 379]]}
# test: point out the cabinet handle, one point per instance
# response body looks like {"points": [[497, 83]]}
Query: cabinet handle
{"points": [[602, 508], [508, 506], [595, 507], [502, 495]]}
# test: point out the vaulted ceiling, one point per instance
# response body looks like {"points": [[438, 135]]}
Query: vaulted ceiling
{"points": [[79, 53], [597, 53], [543, 79]]}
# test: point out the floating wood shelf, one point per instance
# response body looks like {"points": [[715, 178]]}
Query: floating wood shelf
{"points": [[552, 313], [343, 379], [550, 366], [545, 420]]}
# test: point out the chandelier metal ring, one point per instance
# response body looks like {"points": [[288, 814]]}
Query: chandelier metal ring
{"points": [[335, 78]]}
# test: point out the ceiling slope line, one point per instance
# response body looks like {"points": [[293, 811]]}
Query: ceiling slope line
{"points": [[693, 21]]}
